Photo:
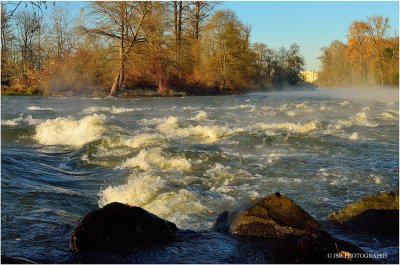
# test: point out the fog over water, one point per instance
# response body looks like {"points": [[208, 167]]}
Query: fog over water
{"points": [[189, 159]]}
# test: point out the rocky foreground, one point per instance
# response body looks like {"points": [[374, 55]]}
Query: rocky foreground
{"points": [[273, 228], [378, 213]]}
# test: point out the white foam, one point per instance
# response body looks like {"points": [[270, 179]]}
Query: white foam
{"points": [[29, 120], [68, 131], [203, 133], [221, 177], [13, 122], [273, 157], [153, 121], [177, 205], [289, 180], [152, 193], [137, 191], [241, 106], [143, 140], [376, 179], [344, 103], [38, 108], [354, 136], [360, 119], [200, 116], [155, 159], [190, 108], [291, 113], [113, 110], [389, 115], [301, 105], [322, 107], [291, 127]]}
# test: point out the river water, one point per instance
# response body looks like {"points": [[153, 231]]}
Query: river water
{"points": [[189, 159]]}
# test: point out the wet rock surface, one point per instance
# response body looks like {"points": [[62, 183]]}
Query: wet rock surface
{"points": [[273, 229], [190, 247], [298, 238], [119, 226], [317, 247], [271, 217], [378, 213]]}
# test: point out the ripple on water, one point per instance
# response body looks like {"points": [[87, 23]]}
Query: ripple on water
{"points": [[187, 160]]}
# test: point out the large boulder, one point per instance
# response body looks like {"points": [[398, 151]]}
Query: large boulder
{"points": [[377, 213], [298, 238], [317, 247], [271, 217], [119, 226]]}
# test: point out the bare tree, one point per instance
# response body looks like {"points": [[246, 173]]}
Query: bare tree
{"points": [[26, 25], [37, 8], [178, 9], [122, 22], [199, 11], [62, 32]]}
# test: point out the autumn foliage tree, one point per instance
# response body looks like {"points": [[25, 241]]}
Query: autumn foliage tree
{"points": [[228, 59], [122, 47], [370, 56]]}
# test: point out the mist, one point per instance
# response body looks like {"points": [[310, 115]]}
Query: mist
{"points": [[385, 94]]}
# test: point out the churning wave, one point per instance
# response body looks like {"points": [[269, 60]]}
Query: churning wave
{"points": [[70, 131], [155, 195], [173, 127], [154, 158], [290, 127], [22, 120], [112, 110], [38, 108]]}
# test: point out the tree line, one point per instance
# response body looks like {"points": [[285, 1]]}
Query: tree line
{"points": [[123, 47], [369, 57]]}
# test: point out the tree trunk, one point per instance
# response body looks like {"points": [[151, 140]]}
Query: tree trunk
{"points": [[119, 79], [223, 84], [162, 88], [197, 20], [381, 73], [176, 31], [114, 87], [180, 9]]}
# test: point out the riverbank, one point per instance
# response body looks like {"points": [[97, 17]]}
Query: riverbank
{"points": [[180, 91]]}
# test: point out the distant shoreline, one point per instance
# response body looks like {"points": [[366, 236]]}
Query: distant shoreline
{"points": [[151, 93]]}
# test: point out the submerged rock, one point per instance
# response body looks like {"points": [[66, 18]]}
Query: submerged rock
{"points": [[317, 247], [377, 213], [271, 217], [119, 226]]}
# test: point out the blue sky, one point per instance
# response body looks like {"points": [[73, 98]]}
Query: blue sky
{"points": [[312, 25]]}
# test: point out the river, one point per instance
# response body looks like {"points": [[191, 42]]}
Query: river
{"points": [[188, 159]]}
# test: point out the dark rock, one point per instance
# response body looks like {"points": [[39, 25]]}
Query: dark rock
{"points": [[317, 247], [377, 213], [15, 260], [119, 226], [298, 237], [271, 217]]}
